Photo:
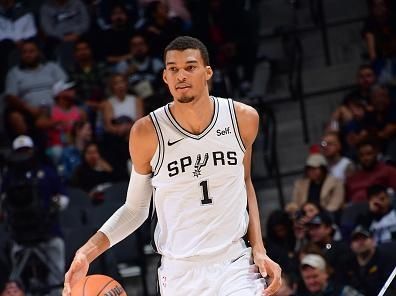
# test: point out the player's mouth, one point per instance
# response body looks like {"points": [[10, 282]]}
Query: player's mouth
{"points": [[183, 86]]}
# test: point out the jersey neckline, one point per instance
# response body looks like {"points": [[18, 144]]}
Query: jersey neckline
{"points": [[185, 132]]}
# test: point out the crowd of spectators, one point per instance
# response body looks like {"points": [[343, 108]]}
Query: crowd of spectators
{"points": [[75, 75], [337, 234]]}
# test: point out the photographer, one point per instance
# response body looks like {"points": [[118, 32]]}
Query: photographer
{"points": [[33, 195]]}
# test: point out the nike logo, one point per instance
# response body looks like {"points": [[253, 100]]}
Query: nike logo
{"points": [[174, 142]]}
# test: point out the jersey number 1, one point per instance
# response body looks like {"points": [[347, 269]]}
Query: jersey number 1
{"points": [[206, 200]]}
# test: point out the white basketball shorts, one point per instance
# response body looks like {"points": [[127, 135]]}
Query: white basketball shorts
{"points": [[230, 274]]}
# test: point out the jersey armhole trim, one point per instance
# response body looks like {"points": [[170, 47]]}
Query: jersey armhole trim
{"points": [[235, 126], [161, 144]]}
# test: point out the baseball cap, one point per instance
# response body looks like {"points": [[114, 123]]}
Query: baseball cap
{"points": [[360, 230], [316, 160], [315, 261], [60, 86], [321, 218], [22, 142]]}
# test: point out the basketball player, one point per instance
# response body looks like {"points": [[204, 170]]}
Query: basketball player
{"points": [[193, 156]]}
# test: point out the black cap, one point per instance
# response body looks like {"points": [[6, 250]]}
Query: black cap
{"points": [[360, 230], [321, 218]]}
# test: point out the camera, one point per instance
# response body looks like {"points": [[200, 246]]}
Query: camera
{"points": [[28, 215]]}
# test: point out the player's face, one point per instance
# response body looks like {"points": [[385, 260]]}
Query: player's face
{"points": [[186, 75], [315, 279]]}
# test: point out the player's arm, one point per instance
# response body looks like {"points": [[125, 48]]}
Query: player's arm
{"points": [[131, 215], [248, 122]]}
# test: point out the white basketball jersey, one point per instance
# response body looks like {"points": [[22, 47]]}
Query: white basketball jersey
{"points": [[199, 189]]}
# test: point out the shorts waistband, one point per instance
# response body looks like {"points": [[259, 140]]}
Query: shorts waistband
{"points": [[233, 251]]}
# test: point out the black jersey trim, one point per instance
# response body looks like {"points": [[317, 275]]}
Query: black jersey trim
{"points": [[212, 123], [235, 126], [153, 223], [161, 143]]}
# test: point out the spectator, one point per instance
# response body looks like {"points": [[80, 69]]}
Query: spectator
{"points": [[81, 135], [37, 187], [318, 186], [90, 78], [381, 217], [17, 24], [29, 89], [115, 40], [60, 119], [159, 28], [13, 288], [315, 274], [321, 232], [120, 111], [144, 73], [382, 119], [380, 35], [370, 266], [92, 171], [63, 21], [339, 167], [371, 172], [280, 240]]}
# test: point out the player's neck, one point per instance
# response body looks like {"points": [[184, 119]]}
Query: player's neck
{"points": [[194, 116]]}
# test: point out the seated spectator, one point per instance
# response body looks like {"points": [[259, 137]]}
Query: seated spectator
{"points": [[92, 171], [90, 79], [81, 135], [29, 89], [63, 22], [120, 111], [280, 240], [17, 24], [382, 119], [315, 274], [59, 121], [144, 73], [355, 129], [381, 216], [116, 38], [321, 232], [13, 288], [379, 33], [88, 74], [159, 28], [370, 266], [318, 186], [339, 166], [371, 172]]}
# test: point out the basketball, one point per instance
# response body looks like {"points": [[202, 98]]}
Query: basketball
{"points": [[98, 285]]}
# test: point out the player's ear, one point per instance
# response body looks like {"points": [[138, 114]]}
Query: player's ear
{"points": [[164, 76], [209, 72]]}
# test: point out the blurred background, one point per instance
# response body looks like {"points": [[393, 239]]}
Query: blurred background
{"points": [[75, 75]]}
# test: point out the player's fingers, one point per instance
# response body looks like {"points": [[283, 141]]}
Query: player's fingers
{"points": [[276, 282]]}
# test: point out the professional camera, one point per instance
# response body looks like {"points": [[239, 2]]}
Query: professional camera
{"points": [[28, 215]]}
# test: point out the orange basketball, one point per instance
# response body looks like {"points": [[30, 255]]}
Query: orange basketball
{"points": [[98, 285]]}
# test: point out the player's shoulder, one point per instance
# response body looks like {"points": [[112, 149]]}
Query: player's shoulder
{"points": [[245, 112], [143, 128]]}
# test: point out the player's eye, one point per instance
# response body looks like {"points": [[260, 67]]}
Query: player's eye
{"points": [[172, 69], [191, 68]]}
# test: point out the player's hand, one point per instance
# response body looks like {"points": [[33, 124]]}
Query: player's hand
{"points": [[77, 271], [268, 268]]}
